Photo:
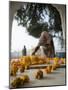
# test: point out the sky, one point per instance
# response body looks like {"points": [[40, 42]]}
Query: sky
{"points": [[20, 37]]}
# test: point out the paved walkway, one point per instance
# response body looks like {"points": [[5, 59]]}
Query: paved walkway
{"points": [[55, 78]]}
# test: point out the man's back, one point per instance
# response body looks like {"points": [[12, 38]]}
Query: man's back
{"points": [[45, 38], [46, 42]]}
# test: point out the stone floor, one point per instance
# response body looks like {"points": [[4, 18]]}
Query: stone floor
{"points": [[55, 78]]}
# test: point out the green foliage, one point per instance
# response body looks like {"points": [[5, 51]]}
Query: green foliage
{"points": [[54, 15], [36, 29], [33, 16]]}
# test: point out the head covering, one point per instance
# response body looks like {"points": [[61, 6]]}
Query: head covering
{"points": [[45, 38]]}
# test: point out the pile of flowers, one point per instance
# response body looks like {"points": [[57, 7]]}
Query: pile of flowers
{"points": [[24, 62]]}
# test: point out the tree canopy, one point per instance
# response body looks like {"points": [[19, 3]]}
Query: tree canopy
{"points": [[34, 17]]}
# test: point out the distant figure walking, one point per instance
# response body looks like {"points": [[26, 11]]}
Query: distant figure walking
{"points": [[24, 52], [46, 42]]}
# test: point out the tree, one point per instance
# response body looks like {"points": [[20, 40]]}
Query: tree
{"points": [[33, 17]]}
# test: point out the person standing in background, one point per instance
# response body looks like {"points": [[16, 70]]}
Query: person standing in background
{"points": [[24, 51]]}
